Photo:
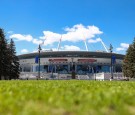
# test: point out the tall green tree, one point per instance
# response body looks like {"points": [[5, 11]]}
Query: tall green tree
{"points": [[129, 61], [14, 61], [4, 62]]}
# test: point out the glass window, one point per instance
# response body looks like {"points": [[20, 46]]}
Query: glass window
{"points": [[27, 69]]}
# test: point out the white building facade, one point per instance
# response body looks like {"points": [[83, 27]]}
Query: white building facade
{"points": [[64, 62]]}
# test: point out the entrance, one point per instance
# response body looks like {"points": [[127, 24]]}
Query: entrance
{"points": [[73, 71]]}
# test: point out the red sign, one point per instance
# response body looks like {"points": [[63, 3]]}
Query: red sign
{"points": [[57, 60], [87, 60]]}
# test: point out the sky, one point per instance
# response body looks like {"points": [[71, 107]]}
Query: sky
{"points": [[73, 22]]}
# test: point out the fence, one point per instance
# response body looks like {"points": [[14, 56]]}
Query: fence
{"points": [[89, 76]]}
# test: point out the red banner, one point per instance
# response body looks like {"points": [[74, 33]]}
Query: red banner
{"points": [[57, 60], [87, 60]]}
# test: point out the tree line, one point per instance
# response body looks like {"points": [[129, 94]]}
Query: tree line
{"points": [[9, 62], [128, 66]]}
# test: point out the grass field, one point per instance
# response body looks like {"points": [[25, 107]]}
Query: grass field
{"points": [[68, 97]]}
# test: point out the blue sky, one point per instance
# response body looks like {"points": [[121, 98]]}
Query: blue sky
{"points": [[29, 22]]}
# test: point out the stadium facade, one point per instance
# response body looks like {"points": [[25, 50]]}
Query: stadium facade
{"points": [[65, 62]]}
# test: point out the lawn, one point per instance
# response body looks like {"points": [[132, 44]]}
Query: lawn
{"points": [[67, 97]]}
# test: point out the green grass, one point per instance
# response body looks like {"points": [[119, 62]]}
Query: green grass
{"points": [[70, 97]]}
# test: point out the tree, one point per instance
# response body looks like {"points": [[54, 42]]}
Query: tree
{"points": [[128, 66], [4, 62], [14, 61], [9, 62]]}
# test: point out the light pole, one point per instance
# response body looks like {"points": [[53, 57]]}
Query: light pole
{"points": [[39, 49], [52, 70], [111, 48]]}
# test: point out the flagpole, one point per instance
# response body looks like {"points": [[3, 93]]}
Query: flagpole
{"points": [[111, 48], [39, 49]]}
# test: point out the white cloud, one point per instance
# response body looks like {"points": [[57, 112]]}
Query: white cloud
{"points": [[10, 32], [75, 34], [94, 41], [71, 48], [24, 51], [123, 47], [45, 50], [20, 37], [50, 37], [28, 38], [37, 41], [120, 49]]}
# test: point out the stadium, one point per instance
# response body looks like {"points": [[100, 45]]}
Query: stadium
{"points": [[61, 64], [71, 64]]}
